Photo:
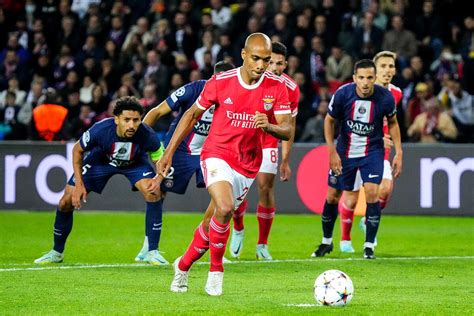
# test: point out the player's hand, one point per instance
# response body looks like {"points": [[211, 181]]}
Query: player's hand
{"points": [[163, 165], [154, 184], [335, 163], [261, 121], [285, 171], [78, 195], [387, 141], [396, 166]]}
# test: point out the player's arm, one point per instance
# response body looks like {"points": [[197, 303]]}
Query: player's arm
{"points": [[281, 130], [154, 114], [334, 159], [185, 125], [394, 131], [285, 170], [79, 194]]}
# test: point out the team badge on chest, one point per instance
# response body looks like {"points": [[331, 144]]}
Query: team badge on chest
{"points": [[268, 102]]}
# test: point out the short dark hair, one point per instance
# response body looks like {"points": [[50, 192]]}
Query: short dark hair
{"points": [[279, 48], [127, 103], [222, 66], [364, 63]]}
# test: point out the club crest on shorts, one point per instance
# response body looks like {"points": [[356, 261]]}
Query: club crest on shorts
{"points": [[268, 103], [213, 172]]}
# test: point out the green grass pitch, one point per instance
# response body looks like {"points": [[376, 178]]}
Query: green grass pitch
{"points": [[424, 266]]}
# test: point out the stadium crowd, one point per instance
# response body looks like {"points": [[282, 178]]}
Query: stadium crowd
{"points": [[63, 62]]}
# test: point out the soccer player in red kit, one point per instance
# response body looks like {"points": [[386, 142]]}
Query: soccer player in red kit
{"points": [[268, 170], [246, 100], [385, 63]]}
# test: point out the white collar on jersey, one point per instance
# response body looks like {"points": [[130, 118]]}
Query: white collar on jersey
{"points": [[248, 86]]}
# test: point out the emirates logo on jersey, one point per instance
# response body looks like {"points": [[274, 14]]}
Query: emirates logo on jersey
{"points": [[268, 102]]}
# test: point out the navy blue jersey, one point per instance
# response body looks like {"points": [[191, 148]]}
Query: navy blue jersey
{"points": [[102, 143], [180, 101], [362, 119]]}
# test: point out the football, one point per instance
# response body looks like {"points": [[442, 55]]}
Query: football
{"points": [[334, 288]]}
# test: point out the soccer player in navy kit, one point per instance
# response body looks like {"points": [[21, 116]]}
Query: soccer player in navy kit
{"points": [[118, 145], [186, 160], [361, 107]]}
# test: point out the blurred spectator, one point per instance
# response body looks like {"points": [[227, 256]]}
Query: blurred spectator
{"points": [[321, 30], [99, 102], [432, 126], [69, 34], [221, 15], [156, 72], [281, 28], [445, 64], [12, 128], [400, 41], [13, 86], [117, 33], [462, 111], [367, 38], [345, 38], [82, 122], [417, 105], [85, 92], [338, 68], [149, 99], [429, 30], [317, 63], [314, 128], [208, 44], [10, 67], [181, 39], [139, 31]]}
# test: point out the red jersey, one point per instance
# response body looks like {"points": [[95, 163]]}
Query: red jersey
{"points": [[233, 136], [294, 97], [397, 95]]}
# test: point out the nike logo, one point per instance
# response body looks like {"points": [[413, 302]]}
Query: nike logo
{"points": [[373, 176], [147, 173]]}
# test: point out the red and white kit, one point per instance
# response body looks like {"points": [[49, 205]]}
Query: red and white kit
{"points": [[233, 138], [270, 143]]}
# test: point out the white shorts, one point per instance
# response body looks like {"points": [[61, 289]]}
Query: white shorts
{"points": [[269, 161], [215, 170], [387, 174]]}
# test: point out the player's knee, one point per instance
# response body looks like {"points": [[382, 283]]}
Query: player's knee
{"points": [[350, 203], [65, 204], [384, 192], [333, 196], [152, 197], [225, 208], [371, 196]]}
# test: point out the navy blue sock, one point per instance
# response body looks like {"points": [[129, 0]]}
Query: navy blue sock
{"points": [[62, 228], [373, 220], [153, 221], [328, 219]]}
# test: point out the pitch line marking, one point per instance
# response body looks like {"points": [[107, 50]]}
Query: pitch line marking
{"points": [[138, 265]]}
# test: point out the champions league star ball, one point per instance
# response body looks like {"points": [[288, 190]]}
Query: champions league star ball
{"points": [[334, 288]]}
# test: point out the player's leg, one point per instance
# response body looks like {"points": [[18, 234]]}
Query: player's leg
{"points": [[336, 184], [196, 249], [265, 213], [371, 172], [386, 186], [346, 211], [237, 239], [328, 219], [62, 228], [153, 221]]}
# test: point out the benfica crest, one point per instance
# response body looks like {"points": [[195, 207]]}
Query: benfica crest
{"points": [[268, 103]]}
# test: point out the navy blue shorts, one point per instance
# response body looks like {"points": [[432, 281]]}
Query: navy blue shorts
{"points": [[184, 166], [371, 170], [95, 174]]}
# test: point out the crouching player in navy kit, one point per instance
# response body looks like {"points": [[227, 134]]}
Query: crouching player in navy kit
{"points": [[361, 107], [112, 146], [186, 161]]}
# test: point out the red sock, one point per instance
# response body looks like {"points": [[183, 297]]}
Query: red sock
{"points": [[347, 218], [265, 219], [218, 236], [383, 202], [198, 247], [239, 216]]}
